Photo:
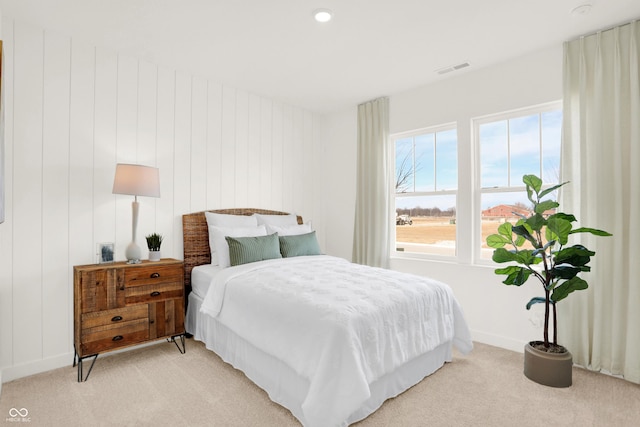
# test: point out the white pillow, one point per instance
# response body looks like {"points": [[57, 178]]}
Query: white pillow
{"points": [[221, 245], [226, 220], [277, 220], [290, 230]]}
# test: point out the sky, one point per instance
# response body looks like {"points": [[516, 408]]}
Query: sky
{"points": [[509, 149]]}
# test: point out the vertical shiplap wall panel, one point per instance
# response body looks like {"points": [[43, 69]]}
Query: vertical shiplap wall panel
{"points": [[214, 145], [297, 166], [198, 167], [73, 112], [165, 149], [56, 281], [126, 148], [307, 172], [127, 110], [228, 148], [317, 189], [104, 145], [182, 156], [253, 151], [266, 153], [6, 229], [277, 156], [27, 191], [146, 133], [287, 158], [82, 247], [241, 146], [146, 146]]}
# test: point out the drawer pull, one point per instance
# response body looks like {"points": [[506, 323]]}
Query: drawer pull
{"points": [[117, 338], [155, 293], [116, 318], [155, 275]]}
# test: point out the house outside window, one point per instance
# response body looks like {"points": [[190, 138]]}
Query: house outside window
{"points": [[426, 185], [510, 145]]}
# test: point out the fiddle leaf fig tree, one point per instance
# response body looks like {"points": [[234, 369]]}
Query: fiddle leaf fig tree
{"points": [[546, 257]]}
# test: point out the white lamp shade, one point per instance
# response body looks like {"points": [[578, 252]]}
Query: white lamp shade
{"points": [[136, 180]]}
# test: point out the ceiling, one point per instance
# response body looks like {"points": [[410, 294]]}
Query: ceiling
{"points": [[274, 48]]}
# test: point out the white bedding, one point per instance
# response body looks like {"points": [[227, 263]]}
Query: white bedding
{"points": [[201, 276], [341, 326]]}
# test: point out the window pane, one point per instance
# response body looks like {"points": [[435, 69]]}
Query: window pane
{"points": [[426, 224], [524, 136], [404, 165], [551, 137], [447, 160], [494, 153], [424, 162], [497, 208]]}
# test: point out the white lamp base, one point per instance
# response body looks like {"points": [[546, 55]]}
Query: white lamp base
{"points": [[133, 253]]}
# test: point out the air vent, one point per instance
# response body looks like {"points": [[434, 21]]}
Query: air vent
{"points": [[452, 68]]}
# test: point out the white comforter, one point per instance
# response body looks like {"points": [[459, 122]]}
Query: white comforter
{"points": [[338, 324]]}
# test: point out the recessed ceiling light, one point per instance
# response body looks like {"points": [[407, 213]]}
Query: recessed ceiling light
{"points": [[583, 9], [322, 15]]}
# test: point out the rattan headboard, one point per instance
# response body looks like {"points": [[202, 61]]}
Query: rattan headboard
{"points": [[195, 236]]}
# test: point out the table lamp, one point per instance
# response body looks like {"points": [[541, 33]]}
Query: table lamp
{"points": [[136, 180]]}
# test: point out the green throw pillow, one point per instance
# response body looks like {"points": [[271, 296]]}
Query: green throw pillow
{"points": [[299, 245], [243, 250]]}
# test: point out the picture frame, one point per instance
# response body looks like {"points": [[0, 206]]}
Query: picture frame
{"points": [[105, 253]]}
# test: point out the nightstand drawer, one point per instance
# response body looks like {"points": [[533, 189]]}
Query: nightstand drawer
{"points": [[153, 293], [99, 290], [102, 338], [153, 275], [115, 316]]}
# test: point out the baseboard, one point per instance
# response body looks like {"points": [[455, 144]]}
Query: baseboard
{"points": [[36, 367], [498, 341], [63, 360]]}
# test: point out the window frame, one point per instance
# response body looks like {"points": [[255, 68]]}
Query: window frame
{"points": [[394, 253], [478, 190]]}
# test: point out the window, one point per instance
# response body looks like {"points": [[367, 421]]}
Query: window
{"points": [[426, 183], [511, 145]]}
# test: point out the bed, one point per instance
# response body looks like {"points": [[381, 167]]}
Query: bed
{"points": [[327, 339]]}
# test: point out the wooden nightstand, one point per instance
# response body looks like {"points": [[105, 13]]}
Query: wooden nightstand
{"points": [[118, 305]]}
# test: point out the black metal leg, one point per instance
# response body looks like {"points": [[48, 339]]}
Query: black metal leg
{"points": [[77, 360], [182, 349], [80, 366]]}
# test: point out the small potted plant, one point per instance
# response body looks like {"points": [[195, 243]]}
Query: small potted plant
{"points": [[539, 249], [153, 243]]}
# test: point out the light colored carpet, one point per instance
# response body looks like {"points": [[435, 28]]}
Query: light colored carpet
{"points": [[158, 386]]}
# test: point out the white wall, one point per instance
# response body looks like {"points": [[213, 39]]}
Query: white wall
{"points": [[72, 112], [496, 313], [339, 136]]}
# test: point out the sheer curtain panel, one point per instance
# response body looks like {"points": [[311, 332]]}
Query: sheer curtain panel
{"points": [[371, 234], [601, 158]]}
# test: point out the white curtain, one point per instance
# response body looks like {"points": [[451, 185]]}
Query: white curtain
{"points": [[371, 234], [601, 158]]}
